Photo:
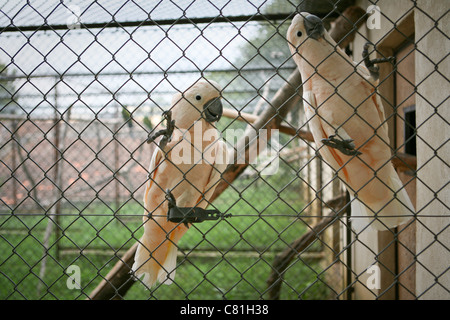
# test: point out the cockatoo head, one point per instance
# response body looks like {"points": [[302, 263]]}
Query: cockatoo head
{"points": [[307, 37], [201, 101]]}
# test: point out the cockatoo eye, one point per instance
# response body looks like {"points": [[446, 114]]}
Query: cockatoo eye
{"points": [[198, 97], [299, 34]]}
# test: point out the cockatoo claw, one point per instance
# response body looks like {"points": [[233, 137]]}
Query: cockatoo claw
{"points": [[346, 146], [166, 133], [370, 63]]}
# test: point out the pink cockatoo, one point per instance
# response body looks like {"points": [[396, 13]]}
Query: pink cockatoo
{"points": [[188, 163], [346, 118]]}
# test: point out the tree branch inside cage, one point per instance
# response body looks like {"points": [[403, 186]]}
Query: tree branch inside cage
{"points": [[339, 206]]}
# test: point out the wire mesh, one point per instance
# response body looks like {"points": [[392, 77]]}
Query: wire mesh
{"points": [[83, 86]]}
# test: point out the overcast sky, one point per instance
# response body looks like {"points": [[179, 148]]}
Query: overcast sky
{"points": [[150, 54]]}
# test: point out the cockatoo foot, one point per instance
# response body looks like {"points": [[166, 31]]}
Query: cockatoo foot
{"points": [[370, 63], [166, 133], [346, 146]]}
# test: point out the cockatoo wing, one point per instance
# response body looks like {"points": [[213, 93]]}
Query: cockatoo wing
{"points": [[157, 155], [319, 132], [217, 168]]}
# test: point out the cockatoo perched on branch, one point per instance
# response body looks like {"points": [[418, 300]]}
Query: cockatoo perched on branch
{"points": [[188, 164], [347, 120]]}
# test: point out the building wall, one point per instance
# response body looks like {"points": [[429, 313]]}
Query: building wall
{"points": [[433, 156], [372, 247], [433, 255]]}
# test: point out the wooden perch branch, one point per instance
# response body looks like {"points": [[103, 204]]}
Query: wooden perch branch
{"points": [[118, 280], [343, 28], [401, 161], [339, 205], [250, 118], [285, 98]]}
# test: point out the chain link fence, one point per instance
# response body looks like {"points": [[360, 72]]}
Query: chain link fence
{"points": [[83, 86]]}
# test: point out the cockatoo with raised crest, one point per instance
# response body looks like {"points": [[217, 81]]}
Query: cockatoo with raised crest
{"points": [[188, 163], [346, 118]]}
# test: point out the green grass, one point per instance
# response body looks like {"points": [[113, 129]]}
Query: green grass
{"points": [[224, 259]]}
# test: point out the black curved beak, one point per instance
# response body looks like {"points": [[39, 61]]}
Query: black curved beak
{"points": [[314, 26], [213, 110]]}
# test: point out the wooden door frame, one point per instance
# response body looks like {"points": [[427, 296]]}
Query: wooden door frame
{"points": [[389, 45]]}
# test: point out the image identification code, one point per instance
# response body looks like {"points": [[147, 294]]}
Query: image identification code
{"points": [[230, 309]]}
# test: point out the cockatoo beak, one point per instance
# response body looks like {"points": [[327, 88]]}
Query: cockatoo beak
{"points": [[314, 26], [213, 110]]}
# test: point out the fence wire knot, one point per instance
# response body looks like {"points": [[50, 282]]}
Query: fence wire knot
{"points": [[188, 215]]}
